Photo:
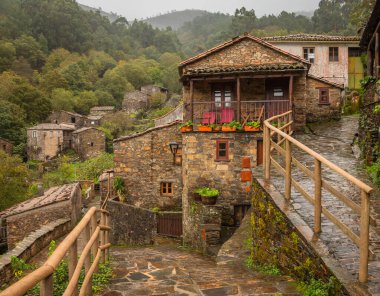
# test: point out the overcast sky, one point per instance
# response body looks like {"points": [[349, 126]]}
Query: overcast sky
{"points": [[132, 9]]}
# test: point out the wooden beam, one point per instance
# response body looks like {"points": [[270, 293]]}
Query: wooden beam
{"points": [[238, 97], [192, 100], [232, 78], [377, 53], [369, 62], [291, 90]]}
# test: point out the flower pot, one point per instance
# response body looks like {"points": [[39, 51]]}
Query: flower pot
{"points": [[186, 129], [197, 197], [217, 129], [204, 128], [209, 200], [251, 129], [228, 129]]}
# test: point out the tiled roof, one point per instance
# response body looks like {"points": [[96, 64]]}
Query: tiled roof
{"points": [[95, 117], [326, 81], [236, 40], [52, 195], [312, 38], [53, 126], [83, 129], [103, 108], [247, 69], [72, 113]]}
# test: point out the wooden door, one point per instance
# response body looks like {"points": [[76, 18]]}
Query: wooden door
{"points": [[277, 96], [169, 224], [260, 152]]}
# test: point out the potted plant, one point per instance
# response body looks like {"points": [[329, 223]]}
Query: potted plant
{"points": [[119, 188], [208, 195], [216, 127], [204, 128], [231, 126], [197, 195], [186, 126], [252, 126]]}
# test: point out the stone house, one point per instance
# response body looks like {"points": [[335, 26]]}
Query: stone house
{"points": [[47, 140], [334, 58], [153, 89], [140, 99], [94, 120], [102, 110], [67, 117], [88, 142], [6, 146]]}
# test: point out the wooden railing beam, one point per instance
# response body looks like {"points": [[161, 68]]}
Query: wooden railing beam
{"points": [[317, 196]]}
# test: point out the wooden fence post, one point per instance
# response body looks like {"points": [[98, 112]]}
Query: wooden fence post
{"points": [[73, 258], [364, 237], [266, 152], [102, 236], [46, 288], [288, 169], [87, 260], [95, 246], [317, 196], [107, 238]]}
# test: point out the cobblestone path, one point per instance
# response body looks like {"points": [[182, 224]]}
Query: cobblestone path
{"points": [[168, 270], [333, 140]]}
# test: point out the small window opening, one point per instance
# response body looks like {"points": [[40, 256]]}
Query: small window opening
{"points": [[278, 92], [167, 189], [333, 54], [72, 119], [324, 96], [309, 54], [222, 150]]}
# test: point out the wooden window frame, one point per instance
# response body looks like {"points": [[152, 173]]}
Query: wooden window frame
{"points": [[218, 157], [321, 100], [167, 188], [334, 57], [308, 53], [222, 87]]}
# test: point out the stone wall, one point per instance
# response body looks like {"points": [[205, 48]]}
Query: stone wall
{"points": [[89, 142], [6, 146], [134, 101], [22, 224], [200, 168], [319, 112], [144, 161], [172, 116], [131, 225], [59, 117]]}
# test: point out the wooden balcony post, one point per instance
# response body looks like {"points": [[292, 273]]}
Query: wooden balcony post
{"points": [[87, 260], [238, 97], [46, 288], [369, 62], [266, 152], [317, 196], [377, 54], [192, 100], [288, 169], [364, 237], [290, 90]]}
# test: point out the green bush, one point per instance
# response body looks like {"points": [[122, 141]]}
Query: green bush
{"points": [[205, 191]]}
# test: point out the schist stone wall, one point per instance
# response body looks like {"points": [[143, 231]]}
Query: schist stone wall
{"points": [[89, 142], [232, 178], [145, 161], [319, 112], [131, 225]]}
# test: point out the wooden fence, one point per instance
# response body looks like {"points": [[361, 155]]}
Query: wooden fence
{"points": [[169, 223], [278, 139], [93, 233]]}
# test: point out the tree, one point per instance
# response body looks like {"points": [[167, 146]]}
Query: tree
{"points": [[243, 21], [62, 99], [14, 180], [329, 17], [85, 101], [28, 48], [12, 122], [7, 55]]}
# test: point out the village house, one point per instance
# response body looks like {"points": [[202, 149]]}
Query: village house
{"points": [[244, 79], [102, 110], [47, 140], [67, 117], [334, 58], [6, 146], [94, 120], [88, 142], [140, 99]]}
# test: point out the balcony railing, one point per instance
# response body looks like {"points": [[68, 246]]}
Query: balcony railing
{"points": [[223, 112]]}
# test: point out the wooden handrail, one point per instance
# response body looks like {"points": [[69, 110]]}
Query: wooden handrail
{"points": [[283, 133], [45, 272]]}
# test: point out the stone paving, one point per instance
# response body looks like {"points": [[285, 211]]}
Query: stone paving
{"points": [[168, 270], [333, 140]]}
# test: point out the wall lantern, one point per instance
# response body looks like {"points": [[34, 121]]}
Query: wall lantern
{"points": [[175, 149]]}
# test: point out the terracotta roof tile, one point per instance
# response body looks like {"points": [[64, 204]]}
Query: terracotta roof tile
{"points": [[312, 38], [53, 126], [326, 81], [103, 108]]}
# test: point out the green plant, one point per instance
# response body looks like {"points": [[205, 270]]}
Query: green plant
{"points": [[205, 191], [155, 209], [186, 124], [233, 124], [376, 110], [367, 80], [19, 266], [316, 287], [204, 124], [255, 124], [118, 184]]}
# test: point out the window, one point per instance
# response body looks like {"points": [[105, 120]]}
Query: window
{"points": [[167, 189], [222, 95], [72, 119], [324, 96], [308, 54], [92, 144], [278, 92], [333, 54], [222, 150], [34, 134], [92, 122]]}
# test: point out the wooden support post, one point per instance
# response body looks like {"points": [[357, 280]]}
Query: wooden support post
{"points": [[290, 90], [288, 169], [102, 236], [107, 237], [369, 62], [46, 288], [192, 100], [87, 260], [377, 54], [364, 237], [73, 258], [266, 153], [95, 246], [238, 97], [317, 195]]}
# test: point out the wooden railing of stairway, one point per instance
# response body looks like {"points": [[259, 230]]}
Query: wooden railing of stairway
{"points": [[278, 140], [95, 236]]}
